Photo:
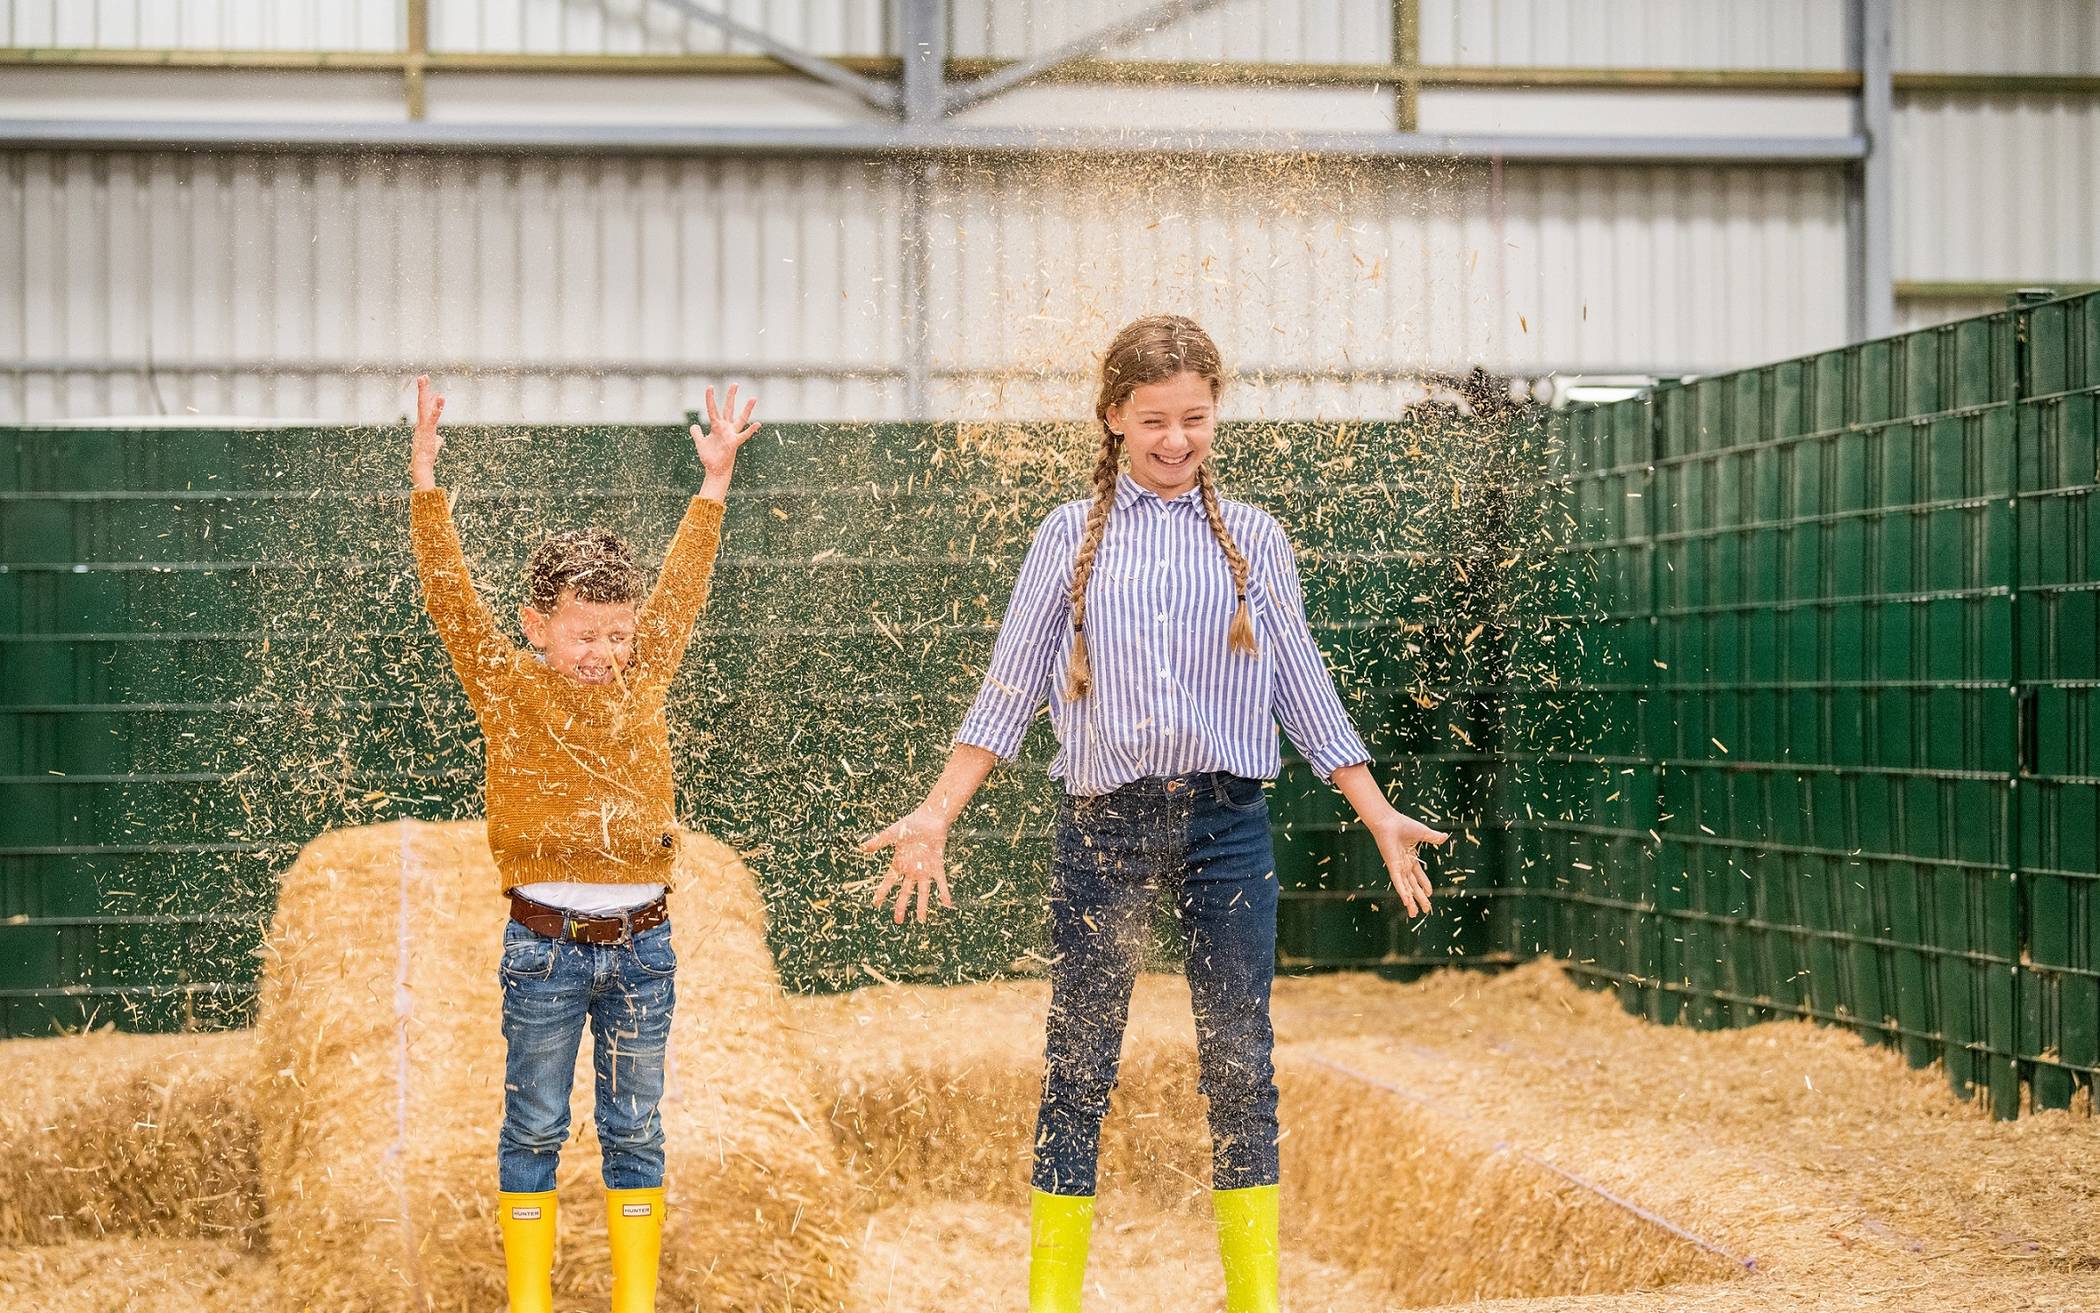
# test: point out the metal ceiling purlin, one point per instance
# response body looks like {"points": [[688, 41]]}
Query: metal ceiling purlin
{"points": [[1870, 207]]}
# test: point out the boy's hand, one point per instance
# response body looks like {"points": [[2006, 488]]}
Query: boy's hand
{"points": [[725, 434], [424, 449]]}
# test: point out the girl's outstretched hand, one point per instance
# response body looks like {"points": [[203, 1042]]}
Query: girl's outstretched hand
{"points": [[725, 434], [424, 447], [1400, 837], [918, 866]]}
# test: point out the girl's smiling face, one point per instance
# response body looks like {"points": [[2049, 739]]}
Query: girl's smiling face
{"points": [[1168, 427]]}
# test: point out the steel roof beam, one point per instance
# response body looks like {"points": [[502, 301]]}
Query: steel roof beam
{"points": [[877, 139]]}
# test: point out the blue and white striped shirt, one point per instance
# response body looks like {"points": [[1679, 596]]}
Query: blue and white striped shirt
{"points": [[1169, 695]]}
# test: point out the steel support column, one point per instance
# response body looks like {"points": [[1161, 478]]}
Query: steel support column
{"points": [[1871, 190]]}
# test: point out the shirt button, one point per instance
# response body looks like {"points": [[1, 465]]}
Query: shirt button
{"points": [[1163, 674], [1162, 562], [1163, 617]]}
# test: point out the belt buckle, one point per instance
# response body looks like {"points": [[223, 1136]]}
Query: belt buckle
{"points": [[627, 925], [568, 928]]}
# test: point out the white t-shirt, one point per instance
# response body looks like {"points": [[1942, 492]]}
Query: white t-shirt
{"points": [[590, 899]]}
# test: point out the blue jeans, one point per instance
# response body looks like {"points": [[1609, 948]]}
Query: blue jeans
{"points": [[550, 988], [1204, 841]]}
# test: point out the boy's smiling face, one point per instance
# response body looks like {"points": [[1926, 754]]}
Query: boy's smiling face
{"points": [[590, 642]]}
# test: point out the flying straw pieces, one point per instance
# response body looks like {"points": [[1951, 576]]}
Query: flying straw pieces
{"points": [[112, 1134], [383, 1060]]}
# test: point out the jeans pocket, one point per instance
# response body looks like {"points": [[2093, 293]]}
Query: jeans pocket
{"points": [[1240, 794], [653, 952], [527, 956]]}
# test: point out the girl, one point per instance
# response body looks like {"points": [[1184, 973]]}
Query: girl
{"points": [[1166, 627]]}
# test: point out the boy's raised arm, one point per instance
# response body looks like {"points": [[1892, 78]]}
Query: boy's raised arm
{"points": [[666, 622], [478, 649]]}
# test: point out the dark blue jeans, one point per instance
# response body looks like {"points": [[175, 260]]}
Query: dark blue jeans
{"points": [[1202, 840], [551, 988]]}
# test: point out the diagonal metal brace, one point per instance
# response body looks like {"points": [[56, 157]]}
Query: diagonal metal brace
{"points": [[879, 94], [965, 94]]}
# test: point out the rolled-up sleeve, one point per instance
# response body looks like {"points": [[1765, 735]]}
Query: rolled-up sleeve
{"points": [[1030, 637], [1306, 704]]}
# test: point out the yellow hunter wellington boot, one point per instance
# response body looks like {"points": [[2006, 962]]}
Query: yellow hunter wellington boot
{"points": [[635, 1220], [1058, 1227], [527, 1223], [1247, 1225]]}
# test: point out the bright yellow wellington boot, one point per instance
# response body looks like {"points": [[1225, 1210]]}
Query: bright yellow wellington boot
{"points": [[1058, 1227], [527, 1223], [1247, 1226], [635, 1220]]}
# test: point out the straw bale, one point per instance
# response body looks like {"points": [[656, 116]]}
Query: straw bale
{"points": [[109, 1134], [1458, 1215], [936, 1091], [383, 1062], [948, 1113], [137, 1275]]}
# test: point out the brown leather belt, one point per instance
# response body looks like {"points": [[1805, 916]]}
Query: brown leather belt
{"points": [[613, 928]]}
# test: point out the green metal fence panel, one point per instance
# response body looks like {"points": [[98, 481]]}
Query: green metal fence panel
{"points": [[1865, 696], [1578, 783], [2058, 528], [212, 647]]}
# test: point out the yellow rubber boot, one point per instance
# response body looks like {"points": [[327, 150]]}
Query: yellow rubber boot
{"points": [[1058, 1228], [1247, 1241], [527, 1223], [635, 1221]]}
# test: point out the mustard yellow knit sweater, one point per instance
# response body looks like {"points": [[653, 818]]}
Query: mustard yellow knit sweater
{"points": [[579, 775]]}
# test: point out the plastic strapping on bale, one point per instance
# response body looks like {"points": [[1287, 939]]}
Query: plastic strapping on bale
{"points": [[404, 1008], [1656, 1219]]}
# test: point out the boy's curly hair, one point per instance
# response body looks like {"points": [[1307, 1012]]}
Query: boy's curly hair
{"points": [[593, 562]]}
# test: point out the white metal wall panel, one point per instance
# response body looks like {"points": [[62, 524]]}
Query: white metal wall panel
{"points": [[1774, 34], [570, 289], [1237, 31], [205, 24], [634, 27], [594, 27], [584, 289], [1331, 287], [1997, 188], [2002, 36]]}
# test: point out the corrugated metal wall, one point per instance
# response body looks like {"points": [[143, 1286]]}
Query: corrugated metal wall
{"points": [[577, 289], [2003, 36], [1252, 31], [622, 27], [581, 289], [1636, 33], [2021, 36], [203, 24], [1998, 188]]}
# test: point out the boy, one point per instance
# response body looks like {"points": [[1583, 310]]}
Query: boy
{"points": [[581, 825]]}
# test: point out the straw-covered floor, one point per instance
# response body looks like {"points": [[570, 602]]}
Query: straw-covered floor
{"points": [[1464, 1136]]}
